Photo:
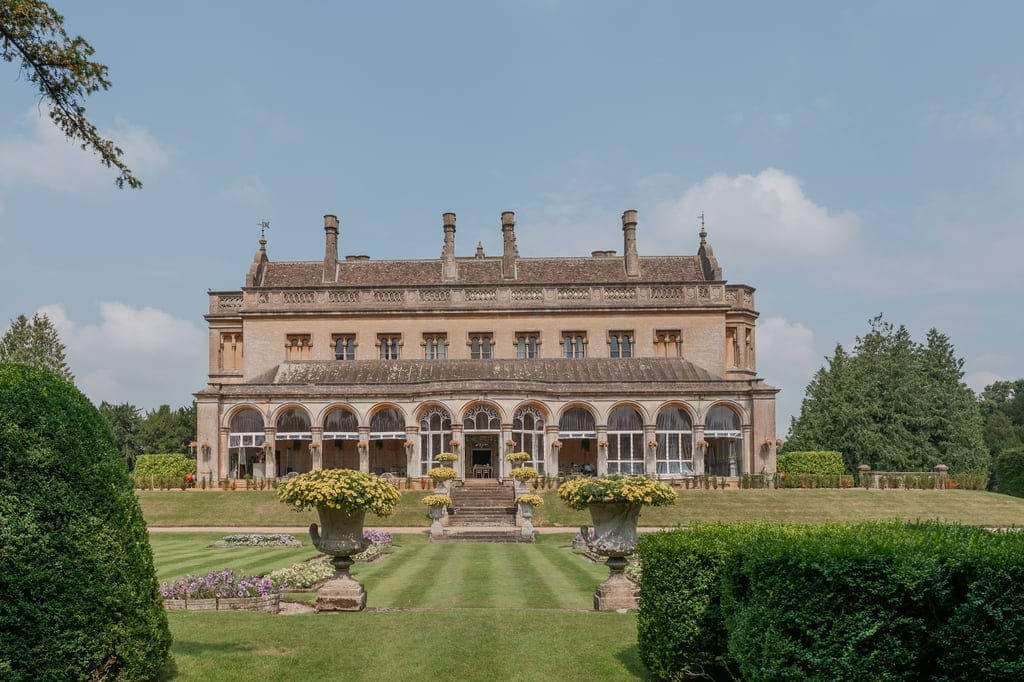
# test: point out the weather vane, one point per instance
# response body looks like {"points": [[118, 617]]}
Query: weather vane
{"points": [[701, 219], [264, 226]]}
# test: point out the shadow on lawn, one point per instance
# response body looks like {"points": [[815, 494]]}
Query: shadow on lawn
{"points": [[630, 659]]}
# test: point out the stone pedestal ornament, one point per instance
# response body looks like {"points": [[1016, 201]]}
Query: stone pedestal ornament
{"points": [[615, 538], [341, 538], [436, 512], [526, 512]]}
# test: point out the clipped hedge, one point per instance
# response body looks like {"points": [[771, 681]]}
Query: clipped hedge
{"points": [[1010, 472], [881, 601], [169, 469], [813, 462], [79, 592]]}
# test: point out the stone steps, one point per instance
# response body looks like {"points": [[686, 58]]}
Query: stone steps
{"points": [[483, 502], [496, 535]]}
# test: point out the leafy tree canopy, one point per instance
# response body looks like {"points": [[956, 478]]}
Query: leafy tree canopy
{"points": [[35, 343], [165, 430], [32, 34], [125, 422], [1002, 406], [893, 404]]}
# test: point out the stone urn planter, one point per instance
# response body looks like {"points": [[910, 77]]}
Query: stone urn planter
{"points": [[340, 535], [526, 513], [615, 538], [436, 513]]}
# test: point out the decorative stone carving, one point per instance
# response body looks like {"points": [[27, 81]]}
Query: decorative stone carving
{"points": [[348, 296], [299, 297], [435, 295], [388, 295], [573, 294], [342, 537], [229, 302], [615, 538], [481, 294], [527, 294], [620, 293]]}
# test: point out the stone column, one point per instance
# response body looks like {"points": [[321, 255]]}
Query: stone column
{"points": [[506, 434], [748, 449], [221, 467], [650, 454], [460, 463], [602, 451], [412, 455], [269, 447], [741, 347], [363, 446], [550, 436], [698, 451], [316, 448]]}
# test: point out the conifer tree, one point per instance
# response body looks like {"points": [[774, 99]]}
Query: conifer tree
{"points": [[35, 343]]}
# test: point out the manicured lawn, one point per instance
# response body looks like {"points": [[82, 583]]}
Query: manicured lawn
{"points": [[261, 508], [178, 554], [254, 508], [971, 507], [475, 612]]}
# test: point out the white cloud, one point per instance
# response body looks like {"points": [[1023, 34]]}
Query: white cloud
{"points": [[995, 114], [45, 156], [977, 381], [144, 356], [249, 191], [787, 359], [755, 215]]}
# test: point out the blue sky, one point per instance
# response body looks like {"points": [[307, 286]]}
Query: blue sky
{"points": [[850, 159]]}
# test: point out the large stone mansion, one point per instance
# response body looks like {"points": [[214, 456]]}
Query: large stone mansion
{"points": [[607, 363]]}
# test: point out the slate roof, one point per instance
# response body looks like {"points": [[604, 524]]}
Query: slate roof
{"points": [[484, 271], [554, 371]]}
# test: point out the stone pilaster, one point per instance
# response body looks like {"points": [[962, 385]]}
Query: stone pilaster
{"points": [[748, 449], [506, 434], [222, 454], [650, 454], [269, 449], [412, 455], [698, 450], [602, 451], [550, 436], [363, 447], [316, 447], [461, 450]]}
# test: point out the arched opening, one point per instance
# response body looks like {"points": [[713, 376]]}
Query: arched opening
{"points": [[435, 436], [674, 433], [245, 445], [481, 427], [578, 434], [292, 440], [340, 439], [528, 436], [625, 441], [723, 455], [387, 442]]}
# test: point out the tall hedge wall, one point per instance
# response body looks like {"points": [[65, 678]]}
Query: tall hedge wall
{"points": [[78, 592], [818, 463], [882, 601], [167, 469]]}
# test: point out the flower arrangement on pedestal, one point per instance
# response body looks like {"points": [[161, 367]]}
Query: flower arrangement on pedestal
{"points": [[439, 501], [443, 474], [530, 499], [516, 457], [436, 504], [446, 457], [523, 474], [579, 493]]}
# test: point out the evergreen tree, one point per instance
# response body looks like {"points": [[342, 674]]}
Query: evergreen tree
{"points": [[125, 422], [1002, 405], [165, 430], [894, 405], [35, 343]]}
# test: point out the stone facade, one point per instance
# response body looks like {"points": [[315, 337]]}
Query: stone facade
{"points": [[599, 364]]}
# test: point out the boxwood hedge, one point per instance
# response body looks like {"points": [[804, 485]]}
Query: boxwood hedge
{"points": [[79, 593], [814, 462], [169, 469], [882, 601]]}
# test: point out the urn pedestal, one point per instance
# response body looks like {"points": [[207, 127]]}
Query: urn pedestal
{"points": [[615, 538], [436, 512], [526, 516], [340, 535]]}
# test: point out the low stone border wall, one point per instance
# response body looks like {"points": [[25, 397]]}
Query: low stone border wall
{"points": [[270, 604]]}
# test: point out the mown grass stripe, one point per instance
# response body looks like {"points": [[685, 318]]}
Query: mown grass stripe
{"points": [[561, 579], [582, 576], [472, 582], [533, 588], [384, 580], [435, 559]]}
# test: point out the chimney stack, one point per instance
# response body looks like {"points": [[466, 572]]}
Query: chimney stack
{"points": [[632, 258], [331, 224], [510, 251], [449, 269]]}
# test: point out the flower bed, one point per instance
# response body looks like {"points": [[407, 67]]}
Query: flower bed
{"points": [[258, 540], [577, 493], [301, 576], [221, 591]]}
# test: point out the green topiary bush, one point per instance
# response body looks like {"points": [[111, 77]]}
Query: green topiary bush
{"points": [[162, 469], [79, 593], [1010, 472], [816, 463]]}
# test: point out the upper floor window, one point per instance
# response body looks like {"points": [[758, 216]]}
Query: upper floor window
{"points": [[667, 343], [390, 346], [435, 346], [527, 345], [620, 344], [231, 351], [344, 346], [574, 344], [299, 346], [480, 345]]}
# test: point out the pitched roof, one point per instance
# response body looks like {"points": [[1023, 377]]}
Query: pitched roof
{"points": [[485, 271]]}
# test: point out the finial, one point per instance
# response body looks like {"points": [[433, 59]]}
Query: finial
{"points": [[264, 225], [703, 232], [479, 249]]}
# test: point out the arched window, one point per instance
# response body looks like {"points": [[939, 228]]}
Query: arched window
{"points": [[625, 441], [481, 418], [387, 424], [725, 442], [294, 425], [341, 424], [246, 429], [577, 422], [435, 436], [674, 433], [528, 434]]}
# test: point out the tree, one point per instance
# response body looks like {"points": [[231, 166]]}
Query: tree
{"points": [[1002, 405], [125, 422], [80, 597], [35, 343], [894, 405], [166, 431], [32, 33]]}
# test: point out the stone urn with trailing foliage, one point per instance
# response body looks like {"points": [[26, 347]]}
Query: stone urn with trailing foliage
{"points": [[527, 503], [341, 498], [615, 502]]}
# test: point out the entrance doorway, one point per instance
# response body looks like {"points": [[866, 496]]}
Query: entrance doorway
{"points": [[482, 460]]}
